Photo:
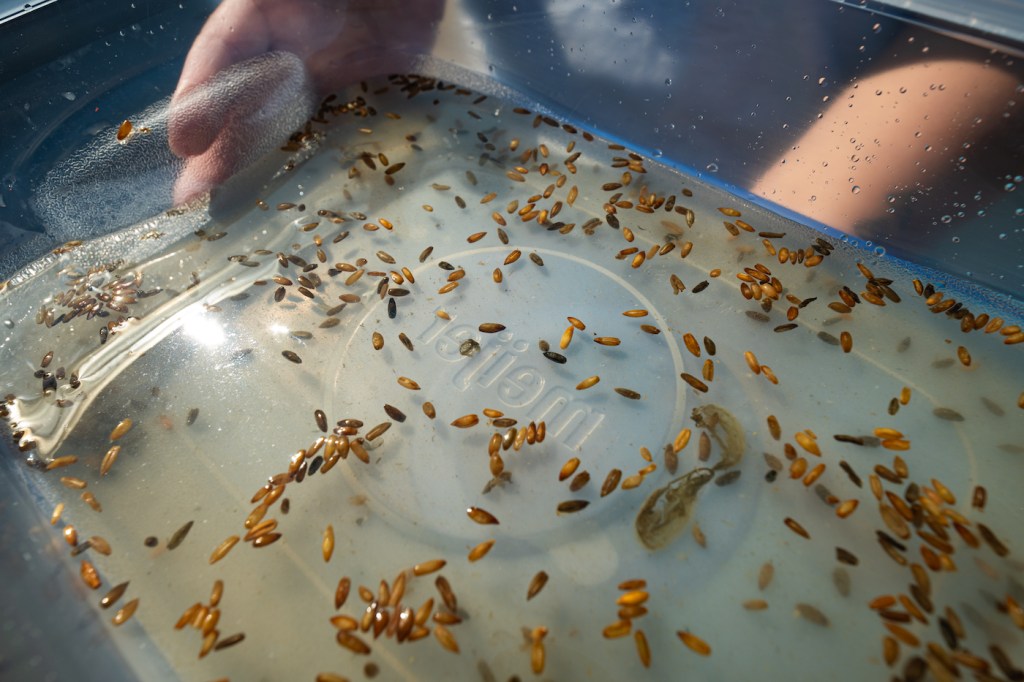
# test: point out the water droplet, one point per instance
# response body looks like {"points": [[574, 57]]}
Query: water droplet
{"points": [[946, 220], [955, 240], [879, 250], [877, 28], [891, 199], [1009, 187], [1002, 235], [668, 81], [855, 189], [712, 167]]}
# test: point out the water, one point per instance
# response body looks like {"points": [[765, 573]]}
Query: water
{"points": [[202, 330]]}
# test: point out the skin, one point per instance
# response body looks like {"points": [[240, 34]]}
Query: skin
{"points": [[880, 141], [335, 43]]}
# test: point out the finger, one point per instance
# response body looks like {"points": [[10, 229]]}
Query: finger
{"points": [[236, 31]]}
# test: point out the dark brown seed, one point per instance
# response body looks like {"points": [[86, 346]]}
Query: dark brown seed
{"points": [[444, 588], [341, 592], [627, 393], [321, 420], [405, 340], [111, 597], [579, 481], [428, 409], [536, 585], [948, 414], [797, 528], [394, 413], [229, 641], [979, 497], [572, 506], [192, 415], [694, 382], [292, 357], [179, 536], [846, 557], [993, 542], [611, 482]]}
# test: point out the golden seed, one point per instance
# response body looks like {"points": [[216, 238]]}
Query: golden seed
{"points": [[607, 340], [846, 341], [428, 567], [406, 382], [569, 468], [466, 421], [808, 443], [846, 508], [563, 343], [755, 605], [588, 382], [446, 638], [691, 344], [694, 642], [125, 612], [327, 545], [617, 629], [352, 642], [765, 575], [481, 516], [642, 648], [752, 362], [89, 575], [57, 511], [480, 551], [73, 482], [123, 427], [428, 409], [124, 130], [91, 500]]}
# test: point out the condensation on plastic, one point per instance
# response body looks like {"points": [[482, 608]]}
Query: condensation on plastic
{"points": [[110, 183]]}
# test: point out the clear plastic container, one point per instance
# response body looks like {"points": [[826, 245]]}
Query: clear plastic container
{"points": [[221, 360]]}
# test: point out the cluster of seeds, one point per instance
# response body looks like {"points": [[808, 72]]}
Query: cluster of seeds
{"points": [[328, 279]]}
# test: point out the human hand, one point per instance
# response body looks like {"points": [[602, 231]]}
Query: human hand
{"points": [[222, 119]]}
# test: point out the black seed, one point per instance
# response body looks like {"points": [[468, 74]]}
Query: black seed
{"points": [[394, 413], [392, 308], [555, 357], [292, 356]]}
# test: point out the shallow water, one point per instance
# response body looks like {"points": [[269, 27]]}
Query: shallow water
{"points": [[203, 329]]}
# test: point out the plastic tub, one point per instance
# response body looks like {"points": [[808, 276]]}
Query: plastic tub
{"points": [[221, 374]]}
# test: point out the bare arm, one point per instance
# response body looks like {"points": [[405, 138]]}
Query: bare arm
{"points": [[883, 135]]}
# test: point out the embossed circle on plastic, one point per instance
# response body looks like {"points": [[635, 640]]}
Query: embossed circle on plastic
{"points": [[427, 472]]}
